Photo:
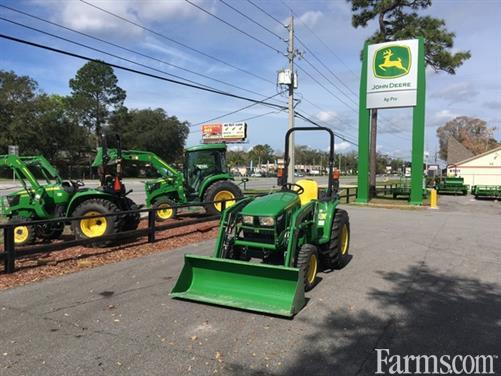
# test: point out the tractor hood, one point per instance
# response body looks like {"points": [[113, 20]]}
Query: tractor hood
{"points": [[271, 205]]}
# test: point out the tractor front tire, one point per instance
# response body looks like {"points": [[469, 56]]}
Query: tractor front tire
{"points": [[25, 234], [307, 261], [219, 191], [96, 227], [340, 240], [166, 209]]}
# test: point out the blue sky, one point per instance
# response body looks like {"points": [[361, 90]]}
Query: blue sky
{"points": [[474, 91]]}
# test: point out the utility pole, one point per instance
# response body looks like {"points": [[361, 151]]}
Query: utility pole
{"points": [[290, 55]]}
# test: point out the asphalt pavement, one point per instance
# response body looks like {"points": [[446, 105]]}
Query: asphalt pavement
{"points": [[419, 282]]}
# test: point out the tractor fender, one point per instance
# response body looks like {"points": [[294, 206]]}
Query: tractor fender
{"points": [[170, 193], [208, 181], [325, 214], [79, 197], [302, 231]]}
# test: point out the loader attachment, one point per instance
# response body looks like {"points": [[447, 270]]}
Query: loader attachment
{"points": [[278, 290]]}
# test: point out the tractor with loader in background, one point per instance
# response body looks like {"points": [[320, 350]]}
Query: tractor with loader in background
{"points": [[269, 249], [63, 198], [205, 178]]}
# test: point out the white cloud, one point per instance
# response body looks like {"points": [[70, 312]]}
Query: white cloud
{"points": [[494, 105], [342, 146], [457, 92], [441, 117], [327, 116], [83, 17], [310, 18], [160, 10]]}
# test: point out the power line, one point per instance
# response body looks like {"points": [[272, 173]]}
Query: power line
{"points": [[235, 111], [324, 87], [326, 67], [328, 80], [318, 125], [129, 50], [102, 52], [265, 12], [261, 115], [252, 20], [350, 137], [321, 41], [142, 73], [249, 118], [233, 26], [177, 42]]}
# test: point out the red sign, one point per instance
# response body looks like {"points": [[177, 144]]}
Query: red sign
{"points": [[212, 131]]}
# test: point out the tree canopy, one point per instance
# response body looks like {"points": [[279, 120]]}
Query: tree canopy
{"points": [[151, 130], [398, 19], [95, 95], [63, 128], [472, 133]]}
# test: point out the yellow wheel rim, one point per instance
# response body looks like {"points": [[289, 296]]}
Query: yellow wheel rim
{"points": [[224, 195], [93, 227], [345, 239], [166, 212], [21, 234], [312, 269]]}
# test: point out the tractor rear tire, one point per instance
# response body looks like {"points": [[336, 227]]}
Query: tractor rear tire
{"points": [[221, 190], [131, 221], [167, 208], [307, 261], [340, 240], [23, 235], [96, 227]]}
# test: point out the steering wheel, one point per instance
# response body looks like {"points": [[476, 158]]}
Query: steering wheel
{"points": [[289, 186], [77, 183]]}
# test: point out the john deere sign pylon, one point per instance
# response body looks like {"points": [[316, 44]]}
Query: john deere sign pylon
{"points": [[393, 76]]}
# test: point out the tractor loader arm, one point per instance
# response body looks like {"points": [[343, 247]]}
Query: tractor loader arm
{"points": [[45, 166], [20, 169], [145, 157]]}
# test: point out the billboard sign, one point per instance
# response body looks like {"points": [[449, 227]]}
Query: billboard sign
{"points": [[392, 74], [224, 132], [211, 132]]}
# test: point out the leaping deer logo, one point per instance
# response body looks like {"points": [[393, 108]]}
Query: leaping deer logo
{"points": [[388, 63]]}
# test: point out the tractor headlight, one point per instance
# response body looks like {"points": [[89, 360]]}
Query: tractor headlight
{"points": [[248, 219], [267, 221], [38, 196]]}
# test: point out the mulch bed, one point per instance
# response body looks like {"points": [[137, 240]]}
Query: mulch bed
{"points": [[46, 265]]}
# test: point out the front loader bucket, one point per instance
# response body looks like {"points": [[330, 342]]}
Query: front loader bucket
{"points": [[278, 290]]}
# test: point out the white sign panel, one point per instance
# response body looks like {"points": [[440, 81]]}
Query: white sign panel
{"points": [[392, 74], [232, 131]]}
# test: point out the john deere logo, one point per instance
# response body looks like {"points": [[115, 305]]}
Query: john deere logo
{"points": [[392, 62]]}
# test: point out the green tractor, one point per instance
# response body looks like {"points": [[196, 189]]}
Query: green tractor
{"points": [[205, 179], [269, 249], [57, 198]]}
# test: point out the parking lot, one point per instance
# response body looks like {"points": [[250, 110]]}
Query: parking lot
{"points": [[419, 282]]}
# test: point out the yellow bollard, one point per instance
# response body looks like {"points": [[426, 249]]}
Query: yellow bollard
{"points": [[433, 199]]}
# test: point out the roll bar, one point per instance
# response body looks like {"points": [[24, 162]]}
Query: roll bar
{"points": [[330, 187]]}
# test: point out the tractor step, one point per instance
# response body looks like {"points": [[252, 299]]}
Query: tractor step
{"points": [[273, 289]]}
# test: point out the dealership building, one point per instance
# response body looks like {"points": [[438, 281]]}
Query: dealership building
{"points": [[481, 169]]}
